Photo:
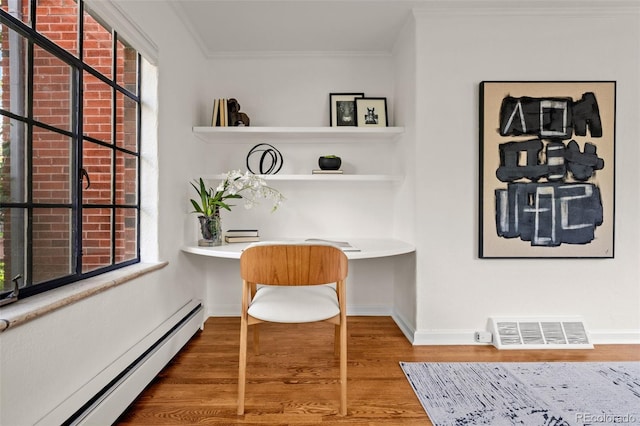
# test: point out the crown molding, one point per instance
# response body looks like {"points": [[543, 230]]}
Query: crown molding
{"points": [[439, 8], [294, 54], [113, 15]]}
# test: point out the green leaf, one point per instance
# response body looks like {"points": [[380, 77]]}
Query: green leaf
{"points": [[196, 207], [225, 206]]}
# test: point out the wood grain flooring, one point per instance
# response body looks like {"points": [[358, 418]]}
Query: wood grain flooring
{"points": [[294, 381]]}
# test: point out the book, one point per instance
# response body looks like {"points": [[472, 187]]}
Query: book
{"points": [[216, 113], [242, 233], [345, 246], [223, 112], [326, 172], [241, 239]]}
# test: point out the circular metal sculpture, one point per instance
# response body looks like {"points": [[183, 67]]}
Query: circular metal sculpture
{"points": [[270, 161]]}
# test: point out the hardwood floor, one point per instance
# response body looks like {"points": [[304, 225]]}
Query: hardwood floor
{"points": [[294, 381]]}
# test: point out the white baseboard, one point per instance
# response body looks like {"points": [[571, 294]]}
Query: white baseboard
{"points": [[404, 326], [353, 310], [445, 337], [132, 371], [369, 310], [107, 409], [222, 311], [466, 337], [440, 337], [615, 337]]}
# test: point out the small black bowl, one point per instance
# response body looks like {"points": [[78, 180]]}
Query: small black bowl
{"points": [[329, 163]]}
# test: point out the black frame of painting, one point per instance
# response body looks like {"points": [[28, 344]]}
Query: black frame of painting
{"points": [[547, 169], [363, 120], [334, 108]]}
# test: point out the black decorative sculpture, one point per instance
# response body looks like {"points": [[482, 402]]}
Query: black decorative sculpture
{"points": [[236, 118]]}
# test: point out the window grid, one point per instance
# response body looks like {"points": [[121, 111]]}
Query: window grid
{"points": [[116, 227]]}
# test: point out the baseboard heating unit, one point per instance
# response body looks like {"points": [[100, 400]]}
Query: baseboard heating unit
{"points": [[157, 350], [539, 333]]}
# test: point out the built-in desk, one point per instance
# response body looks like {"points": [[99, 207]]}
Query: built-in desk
{"points": [[381, 278], [368, 248]]}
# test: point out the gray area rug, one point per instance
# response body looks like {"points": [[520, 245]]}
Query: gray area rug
{"points": [[528, 393]]}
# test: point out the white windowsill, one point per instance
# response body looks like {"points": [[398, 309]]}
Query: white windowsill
{"points": [[36, 306]]}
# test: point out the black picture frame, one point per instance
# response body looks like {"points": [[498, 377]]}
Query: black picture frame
{"points": [[342, 109], [371, 112]]}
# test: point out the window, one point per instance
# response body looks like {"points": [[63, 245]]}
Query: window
{"points": [[70, 109]]}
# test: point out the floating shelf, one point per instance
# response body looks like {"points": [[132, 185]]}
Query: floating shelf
{"points": [[302, 135], [322, 178], [297, 134]]}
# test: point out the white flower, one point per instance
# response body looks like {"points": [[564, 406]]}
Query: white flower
{"points": [[247, 186]]}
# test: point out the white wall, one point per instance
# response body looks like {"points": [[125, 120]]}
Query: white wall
{"points": [[285, 90], [280, 90], [407, 217], [456, 50]]}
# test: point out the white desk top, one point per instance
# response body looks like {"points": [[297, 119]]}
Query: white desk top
{"points": [[369, 248]]}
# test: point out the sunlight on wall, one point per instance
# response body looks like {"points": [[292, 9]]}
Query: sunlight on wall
{"points": [[149, 251]]}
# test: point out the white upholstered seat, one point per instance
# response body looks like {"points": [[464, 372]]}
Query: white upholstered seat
{"points": [[294, 304]]}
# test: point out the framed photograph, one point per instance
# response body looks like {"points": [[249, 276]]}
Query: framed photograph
{"points": [[547, 168], [342, 108], [371, 112]]}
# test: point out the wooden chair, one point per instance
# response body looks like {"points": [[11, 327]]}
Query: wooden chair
{"points": [[292, 279]]}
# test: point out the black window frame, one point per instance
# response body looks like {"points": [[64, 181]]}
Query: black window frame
{"points": [[78, 138]]}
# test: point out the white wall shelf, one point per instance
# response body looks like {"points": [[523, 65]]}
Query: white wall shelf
{"points": [[305, 135], [320, 178], [297, 134]]}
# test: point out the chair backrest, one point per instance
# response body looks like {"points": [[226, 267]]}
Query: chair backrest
{"points": [[293, 264]]}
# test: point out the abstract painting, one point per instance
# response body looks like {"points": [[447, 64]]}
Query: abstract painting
{"points": [[547, 169]]}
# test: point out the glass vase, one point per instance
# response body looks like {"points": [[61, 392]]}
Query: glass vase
{"points": [[211, 230]]}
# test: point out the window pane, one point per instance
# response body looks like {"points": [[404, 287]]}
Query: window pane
{"points": [[46, 213], [126, 234], [52, 244], [21, 13], [12, 71], [97, 45], [126, 179], [52, 90], [12, 251], [58, 21], [127, 69], [97, 108], [96, 160], [12, 161], [51, 167], [127, 122], [96, 239]]}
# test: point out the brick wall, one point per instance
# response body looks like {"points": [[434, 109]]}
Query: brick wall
{"points": [[52, 168]]}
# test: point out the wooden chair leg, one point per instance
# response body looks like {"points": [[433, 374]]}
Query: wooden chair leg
{"points": [[242, 370], [242, 362], [343, 367], [336, 341]]}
